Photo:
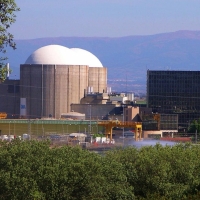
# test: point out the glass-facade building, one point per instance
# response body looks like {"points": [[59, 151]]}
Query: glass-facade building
{"points": [[175, 92], [168, 122]]}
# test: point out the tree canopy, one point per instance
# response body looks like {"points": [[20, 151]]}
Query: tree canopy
{"points": [[34, 170], [7, 17]]}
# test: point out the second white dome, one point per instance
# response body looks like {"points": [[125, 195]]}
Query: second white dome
{"points": [[86, 58], [60, 55]]}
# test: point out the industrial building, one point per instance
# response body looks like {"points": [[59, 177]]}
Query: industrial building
{"points": [[104, 106], [10, 98], [51, 79], [57, 82], [175, 92]]}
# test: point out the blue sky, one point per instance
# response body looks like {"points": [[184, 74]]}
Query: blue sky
{"points": [[104, 18]]}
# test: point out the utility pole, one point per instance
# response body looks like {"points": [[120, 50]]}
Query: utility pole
{"points": [[90, 118], [123, 125]]}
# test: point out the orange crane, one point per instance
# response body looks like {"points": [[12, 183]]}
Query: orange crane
{"points": [[110, 124]]}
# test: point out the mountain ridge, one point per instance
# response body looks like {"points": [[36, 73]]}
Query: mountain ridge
{"points": [[127, 58]]}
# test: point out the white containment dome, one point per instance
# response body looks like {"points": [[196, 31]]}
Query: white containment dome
{"points": [[60, 55], [86, 58], [51, 55]]}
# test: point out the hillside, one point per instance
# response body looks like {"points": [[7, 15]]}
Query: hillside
{"points": [[127, 58]]}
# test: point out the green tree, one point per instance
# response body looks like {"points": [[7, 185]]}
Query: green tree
{"points": [[7, 17], [157, 172], [33, 170], [194, 126], [3, 73]]}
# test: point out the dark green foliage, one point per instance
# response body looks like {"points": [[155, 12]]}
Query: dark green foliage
{"points": [[162, 172], [194, 126], [3, 73], [7, 17], [97, 135], [33, 170]]}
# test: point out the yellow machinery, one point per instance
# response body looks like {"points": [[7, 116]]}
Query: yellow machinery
{"points": [[3, 115], [157, 118], [110, 124]]}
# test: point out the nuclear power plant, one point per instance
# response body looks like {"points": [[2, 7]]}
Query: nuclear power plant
{"points": [[53, 77], [61, 86]]}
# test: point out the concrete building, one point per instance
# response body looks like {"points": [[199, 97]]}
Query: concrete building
{"points": [[122, 98], [9, 98], [152, 124], [135, 113], [52, 78], [99, 111], [95, 98]]}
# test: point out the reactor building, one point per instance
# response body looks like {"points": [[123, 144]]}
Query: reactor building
{"points": [[54, 77]]}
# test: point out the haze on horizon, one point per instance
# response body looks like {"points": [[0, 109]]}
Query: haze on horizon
{"points": [[103, 18]]}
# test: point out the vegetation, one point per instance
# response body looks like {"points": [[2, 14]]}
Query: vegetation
{"points": [[194, 131], [7, 17], [98, 135], [3, 73], [32, 170], [194, 126]]}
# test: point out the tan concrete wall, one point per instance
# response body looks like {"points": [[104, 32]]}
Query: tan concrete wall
{"points": [[48, 90], [51, 89], [35, 92], [98, 79], [130, 113], [77, 82], [31, 89], [147, 133], [98, 111]]}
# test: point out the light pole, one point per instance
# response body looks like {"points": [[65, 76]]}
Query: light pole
{"points": [[90, 118], [68, 128], [123, 124], [62, 128]]}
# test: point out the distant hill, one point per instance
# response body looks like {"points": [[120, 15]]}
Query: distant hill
{"points": [[127, 58]]}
